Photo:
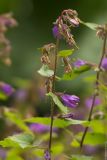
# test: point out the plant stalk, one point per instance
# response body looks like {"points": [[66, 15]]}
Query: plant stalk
{"points": [[53, 90], [96, 90]]}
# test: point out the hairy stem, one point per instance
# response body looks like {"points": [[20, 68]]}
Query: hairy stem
{"points": [[96, 90], [53, 89]]}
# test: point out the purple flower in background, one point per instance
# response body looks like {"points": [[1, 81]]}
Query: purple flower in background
{"points": [[104, 63], [70, 100], [6, 88], [21, 95], [79, 63], [56, 32], [40, 128], [2, 154], [88, 102], [47, 155]]}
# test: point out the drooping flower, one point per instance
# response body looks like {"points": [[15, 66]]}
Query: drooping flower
{"points": [[88, 102], [56, 32], [104, 63], [70, 100], [6, 88], [79, 63], [47, 155]]}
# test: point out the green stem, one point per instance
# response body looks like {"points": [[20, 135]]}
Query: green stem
{"points": [[53, 89], [96, 90]]}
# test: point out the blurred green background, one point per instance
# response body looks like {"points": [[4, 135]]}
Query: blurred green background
{"points": [[35, 19]]}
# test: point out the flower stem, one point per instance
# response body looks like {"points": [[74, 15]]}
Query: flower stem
{"points": [[53, 89], [96, 90]]}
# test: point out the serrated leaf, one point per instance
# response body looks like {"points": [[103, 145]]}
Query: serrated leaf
{"points": [[20, 140], [16, 119], [58, 102], [45, 71], [92, 26], [65, 53], [76, 72], [81, 157], [60, 123]]}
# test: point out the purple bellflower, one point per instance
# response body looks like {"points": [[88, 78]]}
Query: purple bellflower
{"points": [[88, 102], [6, 88], [40, 128], [70, 100], [47, 155], [104, 63], [56, 32], [79, 63]]}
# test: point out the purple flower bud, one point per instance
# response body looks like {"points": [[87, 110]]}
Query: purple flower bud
{"points": [[56, 32], [70, 100], [104, 63], [69, 115], [47, 155], [6, 88], [79, 63], [74, 22], [88, 102]]}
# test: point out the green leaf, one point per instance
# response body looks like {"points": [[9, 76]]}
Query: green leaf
{"points": [[60, 123], [3, 96], [14, 154], [81, 157], [57, 149], [58, 102], [92, 26], [45, 71], [65, 53], [93, 138], [98, 126], [16, 119], [76, 72], [20, 140]]}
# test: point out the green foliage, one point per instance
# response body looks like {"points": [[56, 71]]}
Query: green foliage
{"points": [[15, 118], [60, 123], [23, 140], [76, 72], [45, 71], [92, 26], [65, 53], [81, 157], [93, 138], [14, 154], [3, 96], [58, 102]]}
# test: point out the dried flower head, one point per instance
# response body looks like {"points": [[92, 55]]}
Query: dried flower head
{"points": [[46, 51], [67, 65], [101, 31], [62, 26], [6, 20]]}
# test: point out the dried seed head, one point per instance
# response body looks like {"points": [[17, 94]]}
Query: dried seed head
{"points": [[48, 84], [101, 31], [67, 65], [69, 18]]}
